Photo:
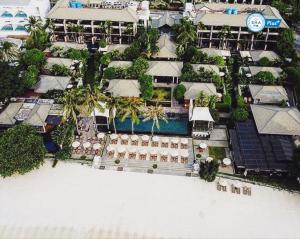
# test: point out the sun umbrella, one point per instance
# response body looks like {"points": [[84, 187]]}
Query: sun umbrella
{"points": [[134, 137], [196, 167], [114, 136], [153, 152], [174, 153], [209, 159], [185, 154], [124, 136], [75, 144], [203, 145], [143, 152], [132, 150], [164, 152], [96, 146], [184, 141], [165, 140], [145, 137], [86, 144], [110, 148], [222, 182], [121, 149], [175, 140], [100, 135], [238, 184], [155, 138], [227, 161]]}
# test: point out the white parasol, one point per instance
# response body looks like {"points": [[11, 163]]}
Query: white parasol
{"points": [[227, 161], [124, 137], [203, 145], [153, 152], [121, 149], [75, 144], [143, 152], [174, 153], [175, 140], [164, 152], [222, 182], [114, 136], [165, 140], [185, 154], [96, 146], [145, 137], [134, 137], [132, 150], [110, 148], [209, 159], [238, 184], [155, 139], [100, 135], [86, 144], [184, 141]]}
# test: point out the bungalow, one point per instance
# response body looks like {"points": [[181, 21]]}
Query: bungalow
{"points": [[268, 94], [63, 47], [124, 88], [167, 48], [120, 64], [164, 20], [253, 70], [193, 89], [114, 47], [47, 83], [40, 113], [212, 52], [165, 71], [67, 62], [255, 56], [276, 120]]}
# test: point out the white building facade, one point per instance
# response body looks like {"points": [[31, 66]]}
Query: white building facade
{"points": [[14, 15]]}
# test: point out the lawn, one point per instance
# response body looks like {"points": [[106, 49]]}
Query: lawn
{"points": [[217, 152]]}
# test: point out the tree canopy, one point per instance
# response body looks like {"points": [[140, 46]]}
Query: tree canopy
{"points": [[21, 150], [286, 43]]}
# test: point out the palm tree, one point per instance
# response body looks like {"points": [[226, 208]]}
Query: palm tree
{"points": [[202, 100], [93, 96], [76, 29], [224, 34], [156, 114], [33, 26], [130, 106], [72, 101], [8, 51], [200, 26], [113, 104], [186, 32]]}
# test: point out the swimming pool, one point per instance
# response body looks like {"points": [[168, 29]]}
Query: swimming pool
{"points": [[174, 126]]}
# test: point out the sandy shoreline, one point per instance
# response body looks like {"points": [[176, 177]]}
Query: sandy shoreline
{"points": [[74, 201]]}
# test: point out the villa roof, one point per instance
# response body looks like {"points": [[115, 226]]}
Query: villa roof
{"points": [[274, 70], [165, 68], [7, 116], [67, 45], [61, 10], [105, 113], [47, 83], [67, 62], [201, 114], [121, 64], [38, 115], [257, 55], [214, 14], [167, 48], [268, 94], [213, 68], [119, 47], [212, 52], [276, 120], [124, 88], [193, 89], [17, 42], [164, 18]]}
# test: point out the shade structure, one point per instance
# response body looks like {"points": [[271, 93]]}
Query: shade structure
{"points": [[164, 152], [153, 152], [100, 135], [184, 141], [209, 159], [227, 161], [174, 153], [175, 140], [134, 137], [121, 149], [155, 139], [238, 184], [203, 145], [165, 140], [114, 136], [145, 137], [124, 136], [185, 154], [196, 167], [201, 114], [132, 150], [109, 148], [248, 75], [143, 152], [222, 182], [75, 144], [86, 144], [96, 146]]}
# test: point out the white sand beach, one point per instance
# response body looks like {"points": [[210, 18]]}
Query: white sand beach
{"points": [[74, 201]]}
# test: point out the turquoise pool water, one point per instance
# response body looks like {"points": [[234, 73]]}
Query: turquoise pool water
{"points": [[174, 126]]}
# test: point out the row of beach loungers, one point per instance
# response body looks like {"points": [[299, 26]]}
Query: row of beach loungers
{"points": [[234, 189]]}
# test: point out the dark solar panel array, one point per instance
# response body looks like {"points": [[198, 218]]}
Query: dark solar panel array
{"points": [[262, 152]]}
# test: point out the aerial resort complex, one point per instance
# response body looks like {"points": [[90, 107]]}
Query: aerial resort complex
{"points": [[148, 111]]}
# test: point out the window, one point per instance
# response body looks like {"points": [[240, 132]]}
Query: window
{"points": [[21, 14], [6, 14], [20, 28], [7, 27]]}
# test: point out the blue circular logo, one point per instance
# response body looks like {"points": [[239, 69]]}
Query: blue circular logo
{"points": [[256, 22]]}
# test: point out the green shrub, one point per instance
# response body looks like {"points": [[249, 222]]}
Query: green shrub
{"points": [[265, 78], [208, 170], [117, 161], [227, 100], [33, 57], [179, 92], [102, 43], [154, 166], [198, 156], [146, 86], [240, 114], [60, 70], [139, 66], [83, 157], [30, 76], [240, 102], [264, 61], [109, 73]]}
